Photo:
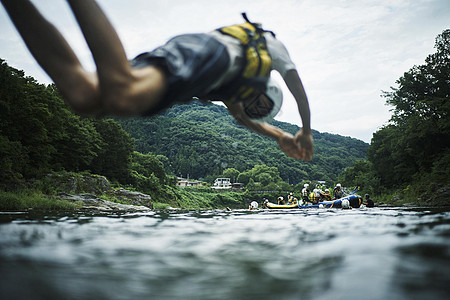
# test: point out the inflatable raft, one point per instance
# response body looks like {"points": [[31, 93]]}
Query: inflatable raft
{"points": [[271, 205], [354, 201]]}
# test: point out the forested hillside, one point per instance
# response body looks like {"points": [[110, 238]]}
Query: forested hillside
{"points": [[202, 140], [39, 134]]}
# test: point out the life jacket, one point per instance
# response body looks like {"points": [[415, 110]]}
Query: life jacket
{"points": [[291, 199], [338, 193], [255, 71], [305, 192]]}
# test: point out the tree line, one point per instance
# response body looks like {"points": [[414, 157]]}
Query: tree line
{"points": [[412, 152], [40, 134]]}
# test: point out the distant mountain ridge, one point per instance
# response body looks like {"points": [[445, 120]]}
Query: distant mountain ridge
{"points": [[203, 139]]}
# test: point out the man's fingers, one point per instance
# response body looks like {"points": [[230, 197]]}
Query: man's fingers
{"points": [[298, 149], [308, 154]]}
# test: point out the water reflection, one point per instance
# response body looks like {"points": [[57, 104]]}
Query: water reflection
{"points": [[380, 253]]}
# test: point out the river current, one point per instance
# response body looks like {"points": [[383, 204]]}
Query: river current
{"points": [[376, 253]]}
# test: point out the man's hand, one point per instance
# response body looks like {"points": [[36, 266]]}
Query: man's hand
{"points": [[288, 145], [298, 147], [306, 142], [292, 148]]}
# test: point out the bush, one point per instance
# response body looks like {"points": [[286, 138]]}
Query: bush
{"points": [[28, 199]]}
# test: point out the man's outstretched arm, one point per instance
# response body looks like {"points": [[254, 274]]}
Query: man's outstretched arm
{"points": [[304, 136], [287, 142]]}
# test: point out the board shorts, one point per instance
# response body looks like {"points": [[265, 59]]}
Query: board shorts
{"points": [[192, 63]]}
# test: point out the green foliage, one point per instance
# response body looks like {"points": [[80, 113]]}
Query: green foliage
{"points": [[114, 156], [231, 173], [414, 149], [12, 161], [203, 140], [191, 199], [420, 126], [159, 205], [262, 174], [43, 133], [39, 134], [361, 174], [25, 200], [251, 185], [147, 173]]}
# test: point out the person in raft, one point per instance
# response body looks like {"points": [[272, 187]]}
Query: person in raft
{"points": [[231, 64]]}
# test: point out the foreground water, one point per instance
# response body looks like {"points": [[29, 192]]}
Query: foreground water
{"points": [[378, 253]]}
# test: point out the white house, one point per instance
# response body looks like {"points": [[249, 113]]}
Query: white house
{"points": [[222, 184]]}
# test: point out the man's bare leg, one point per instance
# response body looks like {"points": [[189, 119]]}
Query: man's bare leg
{"points": [[55, 56], [123, 90]]}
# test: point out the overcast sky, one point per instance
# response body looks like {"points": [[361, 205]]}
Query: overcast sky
{"points": [[346, 51]]}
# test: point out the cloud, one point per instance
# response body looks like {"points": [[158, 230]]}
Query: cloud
{"points": [[346, 51]]}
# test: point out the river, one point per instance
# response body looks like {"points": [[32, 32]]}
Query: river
{"points": [[377, 253]]}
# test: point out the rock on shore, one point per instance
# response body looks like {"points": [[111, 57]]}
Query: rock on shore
{"points": [[134, 198], [92, 202], [87, 190]]}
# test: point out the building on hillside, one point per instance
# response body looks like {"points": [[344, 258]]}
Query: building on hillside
{"points": [[237, 186], [183, 182], [222, 184]]}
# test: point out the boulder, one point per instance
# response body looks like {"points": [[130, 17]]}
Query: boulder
{"points": [[134, 198], [86, 189], [92, 202], [441, 197], [72, 183]]}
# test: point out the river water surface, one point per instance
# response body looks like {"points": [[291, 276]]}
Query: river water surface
{"points": [[377, 253]]}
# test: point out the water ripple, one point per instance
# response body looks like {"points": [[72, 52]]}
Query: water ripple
{"points": [[380, 253]]}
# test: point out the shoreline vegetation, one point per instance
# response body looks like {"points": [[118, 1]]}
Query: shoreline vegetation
{"points": [[81, 191], [27, 200], [67, 191]]}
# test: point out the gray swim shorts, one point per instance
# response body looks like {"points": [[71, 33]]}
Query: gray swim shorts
{"points": [[191, 62]]}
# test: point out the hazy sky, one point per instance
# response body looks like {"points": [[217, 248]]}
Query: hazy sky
{"points": [[346, 51]]}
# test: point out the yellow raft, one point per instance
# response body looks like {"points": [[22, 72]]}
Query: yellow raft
{"points": [[271, 205]]}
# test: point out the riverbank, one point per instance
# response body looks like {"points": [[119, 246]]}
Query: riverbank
{"points": [[26, 200], [416, 196], [66, 191], [74, 191], [121, 199]]}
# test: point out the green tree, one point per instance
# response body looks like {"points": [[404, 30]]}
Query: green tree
{"points": [[36, 118], [231, 173], [244, 177], [361, 174], [12, 161], [251, 184], [272, 172], [166, 163], [147, 173], [148, 164], [419, 131], [113, 157], [264, 178]]}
